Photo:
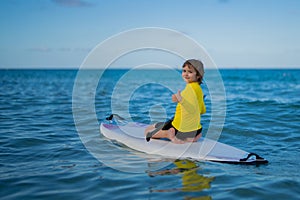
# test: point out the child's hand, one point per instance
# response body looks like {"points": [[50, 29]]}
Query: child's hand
{"points": [[177, 97]]}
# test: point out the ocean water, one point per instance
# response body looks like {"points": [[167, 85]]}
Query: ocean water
{"points": [[51, 147]]}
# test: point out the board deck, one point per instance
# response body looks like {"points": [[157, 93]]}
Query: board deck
{"points": [[132, 135]]}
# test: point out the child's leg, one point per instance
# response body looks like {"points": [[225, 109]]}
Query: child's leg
{"points": [[195, 139], [149, 129], [169, 134]]}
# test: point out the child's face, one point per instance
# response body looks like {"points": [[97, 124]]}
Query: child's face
{"points": [[189, 74]]}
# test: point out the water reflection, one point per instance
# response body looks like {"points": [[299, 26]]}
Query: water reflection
{"points": [[191, 179]]}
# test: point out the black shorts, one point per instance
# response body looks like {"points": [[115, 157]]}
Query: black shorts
{"points": [[180, 135]]}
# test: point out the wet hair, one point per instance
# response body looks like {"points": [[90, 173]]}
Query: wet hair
{"points": [[187, 63]]}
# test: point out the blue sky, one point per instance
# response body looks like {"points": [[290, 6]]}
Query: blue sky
{"points": [[236, 33]]}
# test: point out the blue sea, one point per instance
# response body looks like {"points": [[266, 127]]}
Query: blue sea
{"points": [[51, 146]]}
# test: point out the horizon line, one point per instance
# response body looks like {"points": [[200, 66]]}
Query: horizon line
{"points": [[146, 68]]}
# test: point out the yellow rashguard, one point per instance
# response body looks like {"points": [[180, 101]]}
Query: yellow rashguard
{"points": [[187, 115]]}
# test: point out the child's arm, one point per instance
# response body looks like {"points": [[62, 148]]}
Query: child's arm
{"points": [[187, 105], [176, 98]]}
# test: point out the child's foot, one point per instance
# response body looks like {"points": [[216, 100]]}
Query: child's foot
{"points": [[171, 134], [173, 138], [178, 141]]}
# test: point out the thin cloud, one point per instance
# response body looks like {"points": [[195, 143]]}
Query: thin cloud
{"points": [[61, 49], [72, 3], [40, 49]]}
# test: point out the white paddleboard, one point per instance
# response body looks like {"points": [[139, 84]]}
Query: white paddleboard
{"points": [[132, 135]]}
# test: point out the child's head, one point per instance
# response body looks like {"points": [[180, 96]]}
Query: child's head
{"points": [[198, 66]]}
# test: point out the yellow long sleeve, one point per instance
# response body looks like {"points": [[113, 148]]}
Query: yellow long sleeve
{"points": [[187, 115]]}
